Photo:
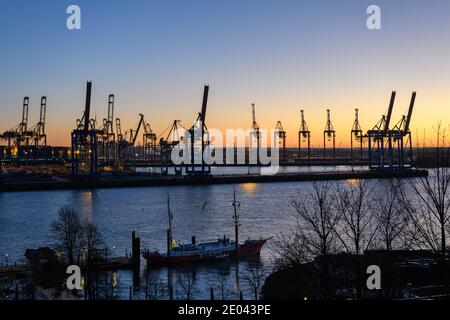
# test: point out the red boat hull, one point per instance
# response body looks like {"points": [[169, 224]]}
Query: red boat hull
{"points": [[251, 248]]}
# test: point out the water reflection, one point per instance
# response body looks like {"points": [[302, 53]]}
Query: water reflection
{"points": [[249, 187]]}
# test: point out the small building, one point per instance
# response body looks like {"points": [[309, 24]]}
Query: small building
{"points": [[42, 255]]}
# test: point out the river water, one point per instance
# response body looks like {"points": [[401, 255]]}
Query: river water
{"points": [[203, 211]]}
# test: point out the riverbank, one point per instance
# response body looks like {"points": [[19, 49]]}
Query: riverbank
{"points": [[147, 180], [406, 275]]}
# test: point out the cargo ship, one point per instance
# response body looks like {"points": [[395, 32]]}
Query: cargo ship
{"points": [[217, 250]]}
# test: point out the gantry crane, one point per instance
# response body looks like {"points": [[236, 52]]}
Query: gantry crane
{"points": [[149, 142], [84, 141], [107, 135], [126, 142], [199, 130], [329, 134], [304, 135], [40, 137], [377, 138], [255, 134], [132, 134], [279, 130], [166, 145], [356, 134], [18, 138], [400, 139]]}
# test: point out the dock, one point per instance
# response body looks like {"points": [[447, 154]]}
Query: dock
{"points": [[149, 180], [20, 270]]}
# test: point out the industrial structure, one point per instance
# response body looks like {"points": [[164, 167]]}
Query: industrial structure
{"points": [[279, 130], [25, 144], [167, 144], [108, 147], [329, 134], [304, 135], [84, 141], [199, 140], [255, 136], [356, 135], [391, 149]]}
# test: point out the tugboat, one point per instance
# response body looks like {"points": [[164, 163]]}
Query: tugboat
{"points": [[221, 249]]}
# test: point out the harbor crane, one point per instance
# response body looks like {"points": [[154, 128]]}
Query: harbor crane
{"points": [[107, 137], [39, 135], [255, 134], [149, 142], [199, 129], [304, 135], [377, 138], [19, 137], [279, 130], [126, 141], [356, 135], [84, 141], [400, 139], [166, 144], [329, 134]]}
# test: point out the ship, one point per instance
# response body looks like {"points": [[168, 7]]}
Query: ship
{"points": [[211, 251]]}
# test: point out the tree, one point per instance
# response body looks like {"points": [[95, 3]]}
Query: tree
{"points": [[356, 229], [221, 284], [186, 283], [92, 241], [314, 239], [254, 276], [317, 221], [427, 201], [155, 289], [391, 221], [67, 231]]}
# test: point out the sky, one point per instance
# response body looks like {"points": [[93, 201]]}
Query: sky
{"points": [[284, 55]]}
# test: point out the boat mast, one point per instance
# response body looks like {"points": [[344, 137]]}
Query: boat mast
{"points": [[169, 232], [236, 204]]}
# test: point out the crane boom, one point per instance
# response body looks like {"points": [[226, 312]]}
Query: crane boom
{"points": [[204, 103], [43, 114], [253, 115], [137, 130], [118, 127], [389, 114], [110, 109], [410, 110], [24, 123], [87, 108]]}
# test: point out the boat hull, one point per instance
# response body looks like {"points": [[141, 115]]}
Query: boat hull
{"points": [[250, 248]]}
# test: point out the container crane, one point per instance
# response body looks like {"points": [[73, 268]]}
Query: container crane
{"points": [[199, 125], [84, 141], [304, 135], [329, 134], [107, 134], [356, 134], [255, 133], [400, 139], [166, 144], [279, 130], [377, 137], [149, 142]]}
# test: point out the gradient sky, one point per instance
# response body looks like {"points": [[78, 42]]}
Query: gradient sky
{"points": [[156, 55]]}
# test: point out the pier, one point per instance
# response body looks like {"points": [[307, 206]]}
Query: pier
{"points": [[149, 180]]}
